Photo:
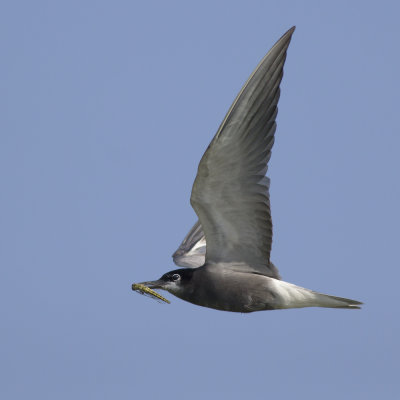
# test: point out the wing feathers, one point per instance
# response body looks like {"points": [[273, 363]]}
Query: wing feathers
{"points": [[230, 194]]}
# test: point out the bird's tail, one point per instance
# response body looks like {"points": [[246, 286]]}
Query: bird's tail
{"points": [[326, 300], [293, 296]]}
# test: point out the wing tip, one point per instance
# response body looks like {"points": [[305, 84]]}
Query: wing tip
{"points": [[287, 36], [290, 31]]}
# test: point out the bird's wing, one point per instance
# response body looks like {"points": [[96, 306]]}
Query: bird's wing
{"points": [[231, 192], [192, 251]]}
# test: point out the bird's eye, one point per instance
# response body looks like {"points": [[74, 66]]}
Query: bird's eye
{"points": [[176, 277]]}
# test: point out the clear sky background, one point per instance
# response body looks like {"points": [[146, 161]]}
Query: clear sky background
{"points": [[106, 110]]}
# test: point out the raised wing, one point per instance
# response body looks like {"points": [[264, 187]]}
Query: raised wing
{"points": [[192, 251], [231, 193]]}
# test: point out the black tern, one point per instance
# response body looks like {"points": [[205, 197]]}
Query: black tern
{"points": [[226, 254]]}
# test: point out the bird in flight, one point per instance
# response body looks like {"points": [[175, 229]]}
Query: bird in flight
{"points": [[226, 255]]}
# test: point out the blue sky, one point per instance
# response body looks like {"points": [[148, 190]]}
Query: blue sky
{"points": [[107, 108]]}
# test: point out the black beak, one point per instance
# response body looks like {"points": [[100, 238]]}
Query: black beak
{"points": [[159, 284]]}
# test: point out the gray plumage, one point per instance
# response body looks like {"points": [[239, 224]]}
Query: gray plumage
{"points": [[227, 252], [192, 251]]}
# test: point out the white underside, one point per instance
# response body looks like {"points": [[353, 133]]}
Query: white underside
{"points": [[292, 296]]}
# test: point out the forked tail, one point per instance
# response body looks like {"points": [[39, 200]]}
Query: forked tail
{"points": [[293, 296], [326, 300]]}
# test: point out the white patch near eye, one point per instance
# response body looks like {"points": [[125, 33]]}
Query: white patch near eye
{"points": [[172, 287], [176, 277]]}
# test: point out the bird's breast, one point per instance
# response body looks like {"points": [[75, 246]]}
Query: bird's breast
{"points": [[227, 290]]}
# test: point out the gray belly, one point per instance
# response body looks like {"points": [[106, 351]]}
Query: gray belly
{"points": [[231, 291]]}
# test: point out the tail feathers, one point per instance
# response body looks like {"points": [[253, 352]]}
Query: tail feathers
{"points": [[325, 300], [293, 296]]}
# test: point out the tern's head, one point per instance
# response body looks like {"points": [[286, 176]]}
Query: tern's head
{"points": [[174, 281]]}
